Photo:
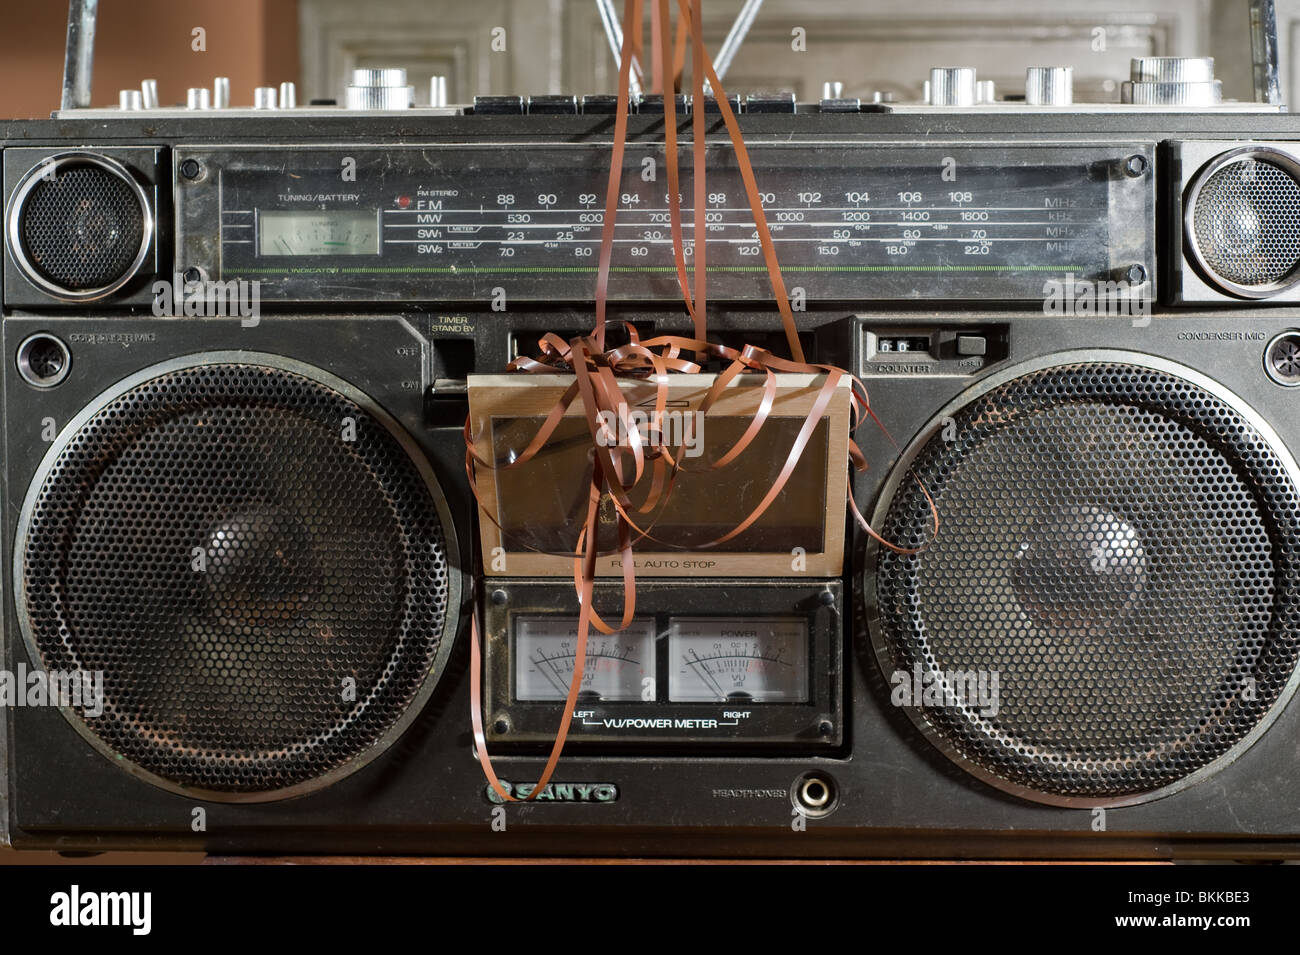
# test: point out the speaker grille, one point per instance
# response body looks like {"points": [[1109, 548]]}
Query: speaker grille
{"points": [[81, 227], [1122, 549], [1247, 223], [255, 564]]}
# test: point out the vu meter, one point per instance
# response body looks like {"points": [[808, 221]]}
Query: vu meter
{"points": [[617, 669], [681, 678], [318, 232], [738, 660]]}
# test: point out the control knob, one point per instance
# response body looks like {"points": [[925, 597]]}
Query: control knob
{"points": [[1172, 81], [953, 86], [379, 89], [1049, 86]]}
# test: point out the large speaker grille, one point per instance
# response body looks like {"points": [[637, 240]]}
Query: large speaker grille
{"points": [[1121, 549], [256, 565], [1245, 220], [81, 224]]}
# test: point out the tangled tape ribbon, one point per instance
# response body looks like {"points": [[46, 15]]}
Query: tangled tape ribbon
{"points": [[618, 470]]}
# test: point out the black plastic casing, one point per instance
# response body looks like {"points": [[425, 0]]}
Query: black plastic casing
{"points": [[895, 794]]}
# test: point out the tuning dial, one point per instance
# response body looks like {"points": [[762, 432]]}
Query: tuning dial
{"points": [[198, 97], [130, 100], [1172, 69], [379, 89], [264, 97], [221, 92], [1049, 86], [288, 95], [149, 93], [1172, 81], [953, 86]]}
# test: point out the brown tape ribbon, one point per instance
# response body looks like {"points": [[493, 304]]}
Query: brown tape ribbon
{"points": [[617, 471]]}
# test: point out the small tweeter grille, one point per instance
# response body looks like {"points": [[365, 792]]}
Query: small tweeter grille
{"points": [[80, 226], [1112, 605], [1243, 222], [256, 561]]}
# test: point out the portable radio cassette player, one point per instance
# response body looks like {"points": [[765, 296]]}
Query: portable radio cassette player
{"points": [[835, 478]]}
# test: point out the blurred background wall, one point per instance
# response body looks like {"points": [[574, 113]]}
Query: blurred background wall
{"points": [[254, 42], [558, 45]]}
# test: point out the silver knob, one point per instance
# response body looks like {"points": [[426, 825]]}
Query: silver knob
{"points": [[288, 95], [379, 89], [832, 89], [149, 93], [438, 91], [952, 86], [264, 97], [1172, 94], [985, 92], [130, 100], [221, 92], [382, 76], [1172, 69], [198, 97], [1049, 86], [1172, 81]]}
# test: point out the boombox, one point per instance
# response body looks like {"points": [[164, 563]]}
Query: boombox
{"points": [[247, 564]]}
